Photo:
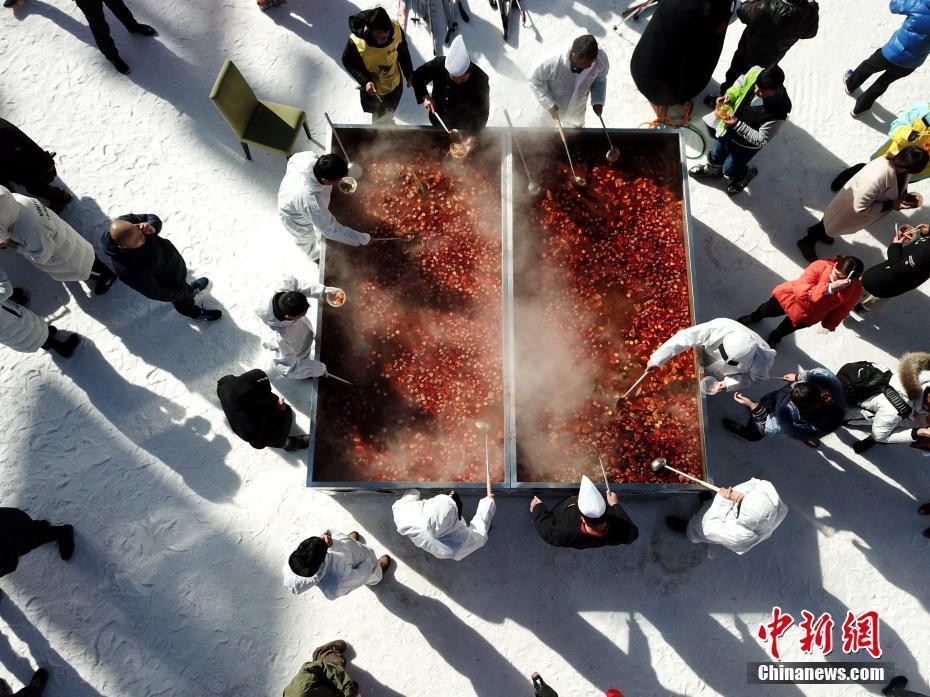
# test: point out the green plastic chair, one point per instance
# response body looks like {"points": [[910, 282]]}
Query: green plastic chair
{"points": [[268, 125]]}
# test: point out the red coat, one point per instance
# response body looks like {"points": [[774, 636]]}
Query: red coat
{"points": [[806, 300]]}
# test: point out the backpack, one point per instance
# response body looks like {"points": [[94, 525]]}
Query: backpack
{"points": [[863, 379]]}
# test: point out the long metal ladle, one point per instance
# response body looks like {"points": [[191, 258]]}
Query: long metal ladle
{"points": [[532, 186], [613, 155], [355, 169], [577, 181]]}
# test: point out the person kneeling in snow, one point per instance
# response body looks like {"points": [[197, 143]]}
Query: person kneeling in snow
{"points": [[290, 333], [324, 675], [733, 354], [738, 518], [256, 414], [337, 564], [436, 525], [23, 330], [584, 521], [303, 202]]}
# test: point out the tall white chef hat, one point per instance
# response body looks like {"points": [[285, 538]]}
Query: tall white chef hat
{"points": [[759, 507], [457, 60], [739, 345], [590, 501]]}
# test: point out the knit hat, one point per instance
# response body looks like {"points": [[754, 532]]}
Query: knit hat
{"points": [[739, 346]]}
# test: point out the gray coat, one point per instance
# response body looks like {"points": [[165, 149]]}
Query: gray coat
{"points": [[862, 201]]}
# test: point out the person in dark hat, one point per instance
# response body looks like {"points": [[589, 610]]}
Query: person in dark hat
{"points": [[377, 57], [24, 162], [256, 414], [337, 564], [325, 675], [20, 534], [584, 521]]}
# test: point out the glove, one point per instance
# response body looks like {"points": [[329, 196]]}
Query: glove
{"points": [[861, 446]]}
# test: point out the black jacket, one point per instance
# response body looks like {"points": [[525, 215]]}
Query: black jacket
{"points": [[906, 269], [352, 61], [679, 48], [774, 26], [252, 409], [17, 537], [464, 106], [21, 159], [155, 269], [561, 527]]}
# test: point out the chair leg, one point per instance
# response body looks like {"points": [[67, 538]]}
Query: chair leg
{"points": [[307, 130], [245, 149]]}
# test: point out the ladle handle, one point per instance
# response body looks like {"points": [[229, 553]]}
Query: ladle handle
{"points": [[516, 142], [558, 124], [442, 123], [606, 133], [336, 136], [706, 485]]}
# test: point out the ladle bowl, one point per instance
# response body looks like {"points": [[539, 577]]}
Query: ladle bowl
{"points": [[533, 188], [355, 170]]}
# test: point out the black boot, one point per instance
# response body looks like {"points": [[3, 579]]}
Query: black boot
{"points": [[64, 535], [19, 296], [679, 525], [861, 446], [296, 443], [120, 65], [143, 29], [39, 680]]}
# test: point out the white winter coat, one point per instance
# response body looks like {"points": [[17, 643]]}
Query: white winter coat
{"points": [[348, 565], [291, 341], [20, 329], [708, 336], [46, 240], [434, 525], [861, 201], [303, 207], [720, 522], [888, 426], [554, 83]]}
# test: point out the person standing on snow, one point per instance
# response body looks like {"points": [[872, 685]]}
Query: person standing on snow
{"points": [[461, 91], [24, 331], [877, 189], [905, 51], [758, 107], [49, 243], [910, 128], [584, 521], [738, 518], [93, 11], [772, 28], [437, 526], [730, 352], [562, 83], [20, 534], [303, 202], [376, 55], [24, 162], [337, 564], [149, 264], [256, 414], [826, 292], [290, 336], [906, 269], [895, 407]]}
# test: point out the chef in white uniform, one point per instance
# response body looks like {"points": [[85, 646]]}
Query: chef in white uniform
{"points": [[562, 83], [436, 524], [333, 562], [737, 518], [730, 352]]}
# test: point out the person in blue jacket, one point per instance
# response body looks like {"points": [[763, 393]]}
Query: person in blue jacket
{"points": [[904, 52]]}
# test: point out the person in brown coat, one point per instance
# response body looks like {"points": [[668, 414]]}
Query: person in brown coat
{"points": [[879, 188]]}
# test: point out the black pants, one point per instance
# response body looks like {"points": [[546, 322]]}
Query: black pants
{"points": [[93, 10], [187, 306], [750, 431], [876, 63], [818, 233], [382, 110], [773, 308]]}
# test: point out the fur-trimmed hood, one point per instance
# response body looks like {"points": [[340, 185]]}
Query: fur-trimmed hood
{"points": [[914, 373]]}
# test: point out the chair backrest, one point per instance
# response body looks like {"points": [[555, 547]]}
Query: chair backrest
{"points": [[233, 97]]}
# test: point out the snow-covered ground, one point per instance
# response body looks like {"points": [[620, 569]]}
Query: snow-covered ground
{"points": [[175, 587]]}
